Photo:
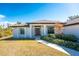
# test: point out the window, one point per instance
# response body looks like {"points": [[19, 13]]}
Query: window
{"points": [[22, 31], [50, 30]]}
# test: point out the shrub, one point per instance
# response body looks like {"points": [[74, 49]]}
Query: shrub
{"points": [[0, 35], [69, 37], [58, 41], [70, 44], [42, 37], [59, 36], [52, 36], [46, 38], [77, 46], [66, 40]]}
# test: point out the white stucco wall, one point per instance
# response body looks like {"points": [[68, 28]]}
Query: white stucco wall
{"points": [[16, 32], [30, 31], [43, 29], [45, 32], [74, 29]]}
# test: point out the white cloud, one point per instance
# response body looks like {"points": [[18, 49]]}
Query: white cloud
{"points": [[3, 21], [2, 17]]}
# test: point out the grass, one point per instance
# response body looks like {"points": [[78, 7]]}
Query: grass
{"points": [[27, 48]]}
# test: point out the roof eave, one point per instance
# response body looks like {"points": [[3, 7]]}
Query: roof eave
{"points": [[71, 24]]}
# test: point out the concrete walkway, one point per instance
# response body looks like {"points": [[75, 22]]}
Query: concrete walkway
{"points": [[60, 48], [6, 37]]}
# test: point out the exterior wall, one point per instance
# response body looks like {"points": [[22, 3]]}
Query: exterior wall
{"points": [[43, 28], [16, 32], [30, 31], [74, 29]]}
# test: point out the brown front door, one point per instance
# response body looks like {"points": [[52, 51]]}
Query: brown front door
{"points": [[37, 32]]}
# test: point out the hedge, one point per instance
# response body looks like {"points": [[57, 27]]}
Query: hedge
{"points": [[67, 37], [67, 43]]}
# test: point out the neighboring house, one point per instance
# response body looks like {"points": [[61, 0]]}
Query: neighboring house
{"points": [[72, 27], [38, 28]]}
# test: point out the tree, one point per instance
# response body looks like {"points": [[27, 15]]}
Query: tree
{"points": [[0, 27], [73, 17], [58, 27]]}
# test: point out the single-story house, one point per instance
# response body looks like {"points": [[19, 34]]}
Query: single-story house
{"points": [[37, 28], [72, 27]]}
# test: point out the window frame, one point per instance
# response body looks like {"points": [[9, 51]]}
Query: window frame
{"points": [[50, 32], [22, 31]]}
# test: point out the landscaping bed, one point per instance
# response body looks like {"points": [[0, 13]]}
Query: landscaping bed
{"points": [[66, 40]]}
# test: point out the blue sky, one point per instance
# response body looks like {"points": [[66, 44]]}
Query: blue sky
{"points": [[27, 12]]}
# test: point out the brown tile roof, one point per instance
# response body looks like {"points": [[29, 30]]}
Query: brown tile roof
{"points": [[36, 22], [72, 22], [43, 22]]}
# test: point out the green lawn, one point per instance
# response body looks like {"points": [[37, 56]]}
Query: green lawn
{"points": [[27, 48]]}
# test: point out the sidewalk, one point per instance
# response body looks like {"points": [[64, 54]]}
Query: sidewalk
{"points": [[6, 37], [60, 48]]}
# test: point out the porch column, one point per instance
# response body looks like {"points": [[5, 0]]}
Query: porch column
{"points": [[55, 32], [30, 31], [45, 30]]}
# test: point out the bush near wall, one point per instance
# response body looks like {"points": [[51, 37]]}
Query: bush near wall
{"points": [[64, 42], [60, 36], [52, 36], [47, 38], [70, 44], [5, 32], [58, 41], [77, 46], [67, 37]]}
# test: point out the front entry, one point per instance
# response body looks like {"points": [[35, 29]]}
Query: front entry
{"points": [[37, 31]]}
